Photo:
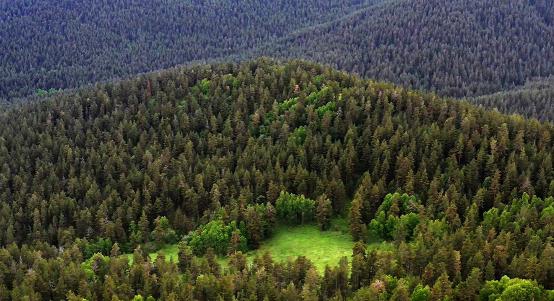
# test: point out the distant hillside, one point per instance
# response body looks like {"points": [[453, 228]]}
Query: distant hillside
{"points": [[535, 99], [456, 48], [61, 44]]}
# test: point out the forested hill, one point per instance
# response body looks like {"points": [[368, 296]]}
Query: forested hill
{"points": [[60, 44], [215, 156], [535, 99], [456, 48]]}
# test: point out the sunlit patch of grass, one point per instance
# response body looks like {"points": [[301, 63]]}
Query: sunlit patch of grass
{"points": [[288, 242]]}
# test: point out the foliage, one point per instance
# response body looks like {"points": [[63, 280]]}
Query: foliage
{"points": [[295, 209], [216, 235], [96, 265], [397, 216], [107, 161], [204, 86], [328, 107], [298, 136], [101, 246], [43, 92], [162, 233], [287, 104], [415, 44], [388, 50], [324, 212], [56, 44], [534, 100], [316, 97], [419, 45], [507, 289], [421, 293]]}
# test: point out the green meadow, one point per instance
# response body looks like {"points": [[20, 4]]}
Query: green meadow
{"points": [[288, 242]]}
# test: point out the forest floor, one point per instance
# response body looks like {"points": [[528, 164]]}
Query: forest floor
{"points": [[288, 242]]}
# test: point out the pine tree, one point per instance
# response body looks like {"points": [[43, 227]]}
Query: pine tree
{"points": [[237, 260], [115, 252], [253, 227], [270, 218], [400, 292], [442, 288], [213, 265], [357, 273], [547, 265], [468, 289], [356, 225], [185, 257], [290, 293], [324, 212], [144, 227], [235, 242]]}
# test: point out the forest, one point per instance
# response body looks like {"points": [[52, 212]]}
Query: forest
{"points": [[65, 44], [212, 159], [456, 48], [533, 99]]}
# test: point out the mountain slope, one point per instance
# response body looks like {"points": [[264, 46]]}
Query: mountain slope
{"points": [[61, 44], [460, 48], [216, 149], [534, 99], [457, 48]]}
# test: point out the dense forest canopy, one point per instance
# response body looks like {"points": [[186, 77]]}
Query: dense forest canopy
{"points": [[457, 48], [534, 99], [61, 44], [214, 156]]}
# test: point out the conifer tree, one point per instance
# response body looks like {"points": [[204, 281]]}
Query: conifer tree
{"points": [[356, 225], [324, 212]]}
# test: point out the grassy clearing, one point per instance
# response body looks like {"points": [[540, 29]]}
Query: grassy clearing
{"points": [[322, 248], [169, 251], [288, 242]]}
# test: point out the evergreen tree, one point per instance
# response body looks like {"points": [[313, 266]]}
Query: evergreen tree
{"points": [[324, 212], [356, 225]]}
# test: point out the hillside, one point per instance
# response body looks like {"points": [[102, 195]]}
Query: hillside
{"points": [[534, 99], [217, 156], [459, 48], [65, 44], [456, 48]]}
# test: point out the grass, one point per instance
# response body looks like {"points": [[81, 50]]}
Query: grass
{"points": [[288, 242], [322, 248], [169, 251]]}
